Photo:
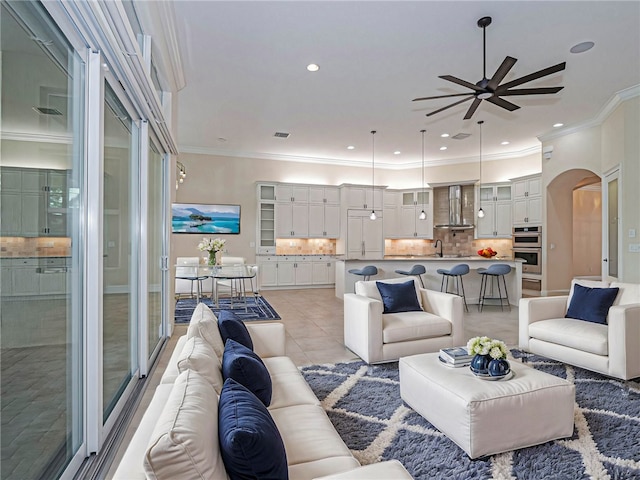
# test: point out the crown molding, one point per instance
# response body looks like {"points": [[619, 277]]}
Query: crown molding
{"points": [[351, 163], [616, 100]]}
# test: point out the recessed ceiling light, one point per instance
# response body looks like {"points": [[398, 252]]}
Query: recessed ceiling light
{"points": [[312, 67], [397, 152], [443, 148], [556, 125], [504, 143], [582, 47], [350, 147], [444, 135], [222, 139]]}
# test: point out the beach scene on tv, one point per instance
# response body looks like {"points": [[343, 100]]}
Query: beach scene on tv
{"points": [[195, 218]]}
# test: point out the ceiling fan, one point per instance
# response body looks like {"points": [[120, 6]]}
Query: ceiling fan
{"points": [[490, 89]]}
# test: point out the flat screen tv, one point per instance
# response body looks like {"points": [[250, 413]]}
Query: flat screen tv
{"points": [[205, 219]]}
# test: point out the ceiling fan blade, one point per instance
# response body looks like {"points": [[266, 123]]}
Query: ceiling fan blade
{"points": [[503, 103], [502, 71], [532, 76], [443, 96], [529, 91], [464, 83], [472, 109], [449, 106]]}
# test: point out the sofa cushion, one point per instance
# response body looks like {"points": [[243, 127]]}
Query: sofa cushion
{"points": [[370, 289], [585, 336], [232, 327], [250, 443], [400, 327], [199, 356], [591, 304], [204, 324], [399, 297], [184, 443], [246, 368]]}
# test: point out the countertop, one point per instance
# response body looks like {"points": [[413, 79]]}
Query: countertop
{"points": [[429, 258]]}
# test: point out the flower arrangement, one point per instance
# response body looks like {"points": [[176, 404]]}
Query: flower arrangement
{"points": [[212, 246], [496, 349]]}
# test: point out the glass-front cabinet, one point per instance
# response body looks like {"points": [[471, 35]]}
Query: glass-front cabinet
{"points": [[495, 200], [266, 234]]}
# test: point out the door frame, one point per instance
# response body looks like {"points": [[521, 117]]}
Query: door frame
{"points": [[614, 173]]}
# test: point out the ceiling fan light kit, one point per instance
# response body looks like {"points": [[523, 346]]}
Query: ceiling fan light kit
{"points": [[490, 89]]}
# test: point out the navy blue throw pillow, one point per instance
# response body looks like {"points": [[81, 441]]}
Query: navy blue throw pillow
{"points": [[250, 443], [399, 297], [231, 326], [591, 304], [246, 368]]}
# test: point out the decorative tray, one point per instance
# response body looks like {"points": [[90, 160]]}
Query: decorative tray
{"points": [[486, 376]]}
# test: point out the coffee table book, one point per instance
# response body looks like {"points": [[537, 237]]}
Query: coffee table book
{"points": [[456, 355]]}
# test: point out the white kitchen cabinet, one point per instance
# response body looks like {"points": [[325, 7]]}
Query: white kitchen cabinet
{"points": [[324, 270], [292, 220], [527, 200], [266, 226], [268, 270], [357, 197], [409, 225], [496, 203], [286, 273], [11, 213], [324, 220], [324, 194], [292, 193], [24, 277], [364, 236]]}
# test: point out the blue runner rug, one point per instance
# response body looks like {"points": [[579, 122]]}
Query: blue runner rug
{"points": [[257, 309]]}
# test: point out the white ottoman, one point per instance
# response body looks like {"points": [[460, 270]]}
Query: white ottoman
{"points": [[487, 417]]}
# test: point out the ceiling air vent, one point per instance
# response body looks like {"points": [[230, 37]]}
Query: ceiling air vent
{"points": [[281, 135], [461, 136], [47, 111]]}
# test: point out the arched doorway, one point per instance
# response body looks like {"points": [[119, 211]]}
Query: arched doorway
{"points": [[573, 235]]}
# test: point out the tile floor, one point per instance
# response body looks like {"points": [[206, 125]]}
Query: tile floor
{"points": [[313, 320]]}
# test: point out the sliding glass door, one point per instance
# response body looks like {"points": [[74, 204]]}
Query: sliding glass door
{"points": [[41, 240], [119, 296]]}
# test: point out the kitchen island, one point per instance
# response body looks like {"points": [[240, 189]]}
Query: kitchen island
{"points": [[387, 266]]}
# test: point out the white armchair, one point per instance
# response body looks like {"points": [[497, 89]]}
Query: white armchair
{"points": [[612, 349], [376, 337]]}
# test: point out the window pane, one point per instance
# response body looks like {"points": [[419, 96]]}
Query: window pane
{"points": [[41, 284], [119, 296], [155, 235]]}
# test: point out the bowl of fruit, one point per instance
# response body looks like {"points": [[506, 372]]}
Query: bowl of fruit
{"points": [[487, 252]]}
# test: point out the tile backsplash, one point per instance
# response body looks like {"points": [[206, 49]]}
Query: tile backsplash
{"points": [[305, 246], [35, 247], [460, 242]]}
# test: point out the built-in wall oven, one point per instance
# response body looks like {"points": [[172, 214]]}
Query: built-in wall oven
{"points": [[527, 245]]}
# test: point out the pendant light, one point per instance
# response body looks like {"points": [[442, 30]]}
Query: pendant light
{"points": [[373, 165], [423, 215], [480, 211]]}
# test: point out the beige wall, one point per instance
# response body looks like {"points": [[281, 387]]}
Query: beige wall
{"points": [[230, 180], [597, 149]]}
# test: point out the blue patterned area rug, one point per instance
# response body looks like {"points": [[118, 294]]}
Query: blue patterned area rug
{"points": [[363, 402], [257, 309]]}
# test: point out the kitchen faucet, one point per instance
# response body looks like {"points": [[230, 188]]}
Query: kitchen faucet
{"points": [[436, 246]]}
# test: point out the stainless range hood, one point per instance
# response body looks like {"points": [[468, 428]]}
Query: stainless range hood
{"points": [[457, 220]]}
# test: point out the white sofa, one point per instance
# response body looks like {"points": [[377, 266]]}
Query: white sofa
{"points": [[178, 439], [376, 337], [612, 349]]}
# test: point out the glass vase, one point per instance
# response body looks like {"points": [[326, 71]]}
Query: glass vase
{"points": [[212, 258]]}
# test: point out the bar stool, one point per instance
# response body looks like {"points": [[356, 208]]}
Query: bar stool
{"points": [[416, 270], [494, 272], [457, 272], [365, 272]]}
